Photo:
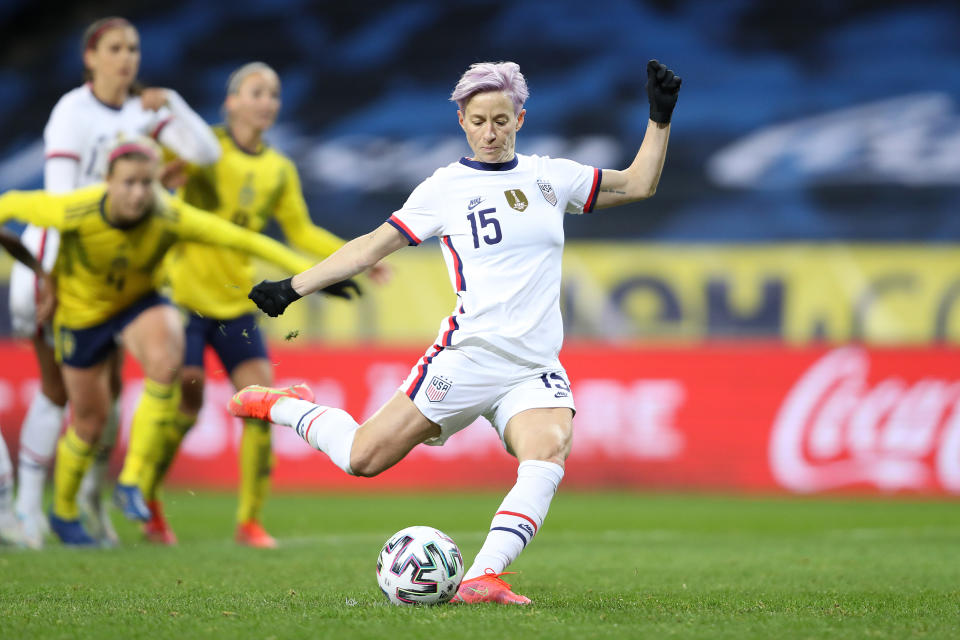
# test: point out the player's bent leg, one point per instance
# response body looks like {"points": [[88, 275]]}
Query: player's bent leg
{"points": [[155, 339], [89, 393], [389, 435], [38, 441], [381, 442], [541, 441], [256, 460]]}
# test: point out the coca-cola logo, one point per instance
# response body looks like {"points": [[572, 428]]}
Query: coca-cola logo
{"points": [[834, 429]]}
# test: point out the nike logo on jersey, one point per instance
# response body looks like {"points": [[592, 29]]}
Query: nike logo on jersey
{"points": [[473, 203]]}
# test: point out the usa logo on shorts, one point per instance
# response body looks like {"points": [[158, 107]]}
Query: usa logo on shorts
{"points": [[437, 389]]}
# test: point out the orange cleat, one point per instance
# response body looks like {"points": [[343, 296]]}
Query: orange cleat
{"points": [[487, 588], [156, 529], [252, 534], [255, 401]]}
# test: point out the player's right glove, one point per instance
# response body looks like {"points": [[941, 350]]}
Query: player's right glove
{"points": [[663, 85], [274, 296]]}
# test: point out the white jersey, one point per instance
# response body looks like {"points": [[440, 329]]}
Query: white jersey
{"points": [[82, 128], [501, 232]]}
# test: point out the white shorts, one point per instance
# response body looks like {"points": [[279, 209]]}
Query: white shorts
{"points": [[453, 386], [44, 244]]}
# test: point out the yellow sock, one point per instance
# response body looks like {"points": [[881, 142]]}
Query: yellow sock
{"points": [[153, 475], [74, 457], [155, 411], [256, 462]]}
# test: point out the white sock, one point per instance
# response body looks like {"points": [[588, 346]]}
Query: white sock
{"points": [[38, 440], [96, 476], [519, 517], [326, 429], [6, 479]]}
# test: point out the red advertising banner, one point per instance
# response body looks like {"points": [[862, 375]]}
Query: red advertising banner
{"points": [[761, 417]]}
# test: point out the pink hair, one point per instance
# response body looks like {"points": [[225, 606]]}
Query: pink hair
{"points": [[492, 76]]}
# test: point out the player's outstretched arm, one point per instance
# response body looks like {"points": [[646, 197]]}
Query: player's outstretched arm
{"points": [[35, 207], [196, 225], [639, 181], [354, 257]]}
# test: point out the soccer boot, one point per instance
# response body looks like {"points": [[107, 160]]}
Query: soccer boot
{"points": [[487, 588], [156, 529], [35, 528], [71, 532], [96, 519], [129, 499], [11, 531], [256, 400], [252, 534]]}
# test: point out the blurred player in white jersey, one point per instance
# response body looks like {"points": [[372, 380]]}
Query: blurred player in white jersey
{"points": [[85, 123], [11, 531], [499, 217]]}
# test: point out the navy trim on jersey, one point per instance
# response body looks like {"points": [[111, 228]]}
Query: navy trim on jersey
{"points": [[594, 191], [406, 233], [458, 263], [112, 107], [490, 166]]}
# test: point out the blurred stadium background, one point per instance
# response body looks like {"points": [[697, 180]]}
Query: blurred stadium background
{"points": [[782, 316]]}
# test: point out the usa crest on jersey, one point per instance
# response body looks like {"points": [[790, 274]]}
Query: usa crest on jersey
{"points": [[548, 193], [437, 389]]}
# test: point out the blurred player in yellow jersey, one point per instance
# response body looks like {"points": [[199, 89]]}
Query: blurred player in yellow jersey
{"points": [[250, 184], [113, 237]]}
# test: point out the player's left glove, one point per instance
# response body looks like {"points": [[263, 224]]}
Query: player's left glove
{"points": [[663, 85], [274, 296], [343, 289]]}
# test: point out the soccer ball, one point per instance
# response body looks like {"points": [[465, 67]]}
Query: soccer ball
{"points": [[419, 565]]}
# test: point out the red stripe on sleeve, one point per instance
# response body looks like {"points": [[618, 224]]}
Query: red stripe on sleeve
{"points": [[592, 198], [63, 154], [156, 132], [398, 222]]}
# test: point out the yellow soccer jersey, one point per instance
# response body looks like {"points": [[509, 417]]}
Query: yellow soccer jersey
{"points": [[247, 189], [103, 268]]}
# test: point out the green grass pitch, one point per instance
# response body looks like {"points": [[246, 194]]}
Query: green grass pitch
{"points": [[611, 565]]}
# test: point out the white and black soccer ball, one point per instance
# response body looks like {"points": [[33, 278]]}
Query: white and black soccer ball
{"points": [[419, 565]]}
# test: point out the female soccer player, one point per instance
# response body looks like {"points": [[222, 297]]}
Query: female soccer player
{"points": [[83, 125], [249, 184], [11, 531], [114, 237], [499, 216]]}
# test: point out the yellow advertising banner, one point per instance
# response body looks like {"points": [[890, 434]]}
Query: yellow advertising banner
{"points": [[797, 293]]}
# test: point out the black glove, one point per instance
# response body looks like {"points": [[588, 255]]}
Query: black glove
{"points": [[342, 289], [273, 296], [663, 85]]}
